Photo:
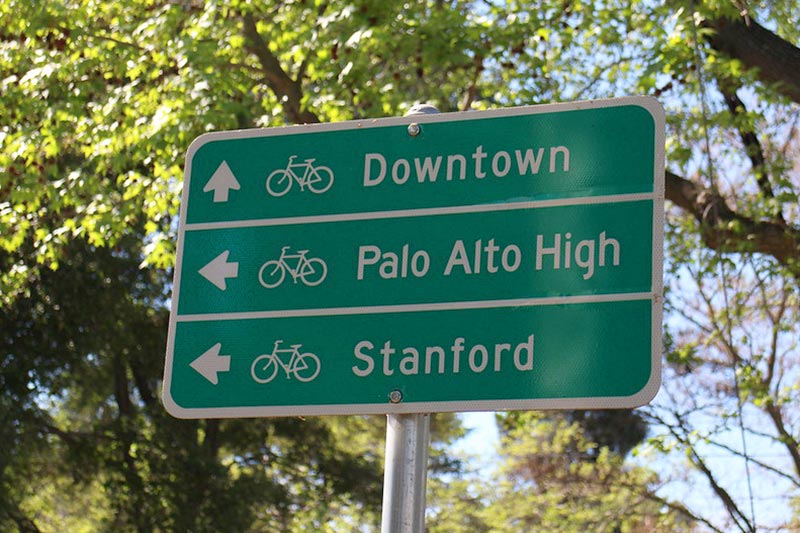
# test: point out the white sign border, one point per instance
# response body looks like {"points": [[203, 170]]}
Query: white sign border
{"points": [[642, 397]]}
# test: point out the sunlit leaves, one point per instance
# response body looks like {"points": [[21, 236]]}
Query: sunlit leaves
{"points": [[554, 478], [100, 100]]}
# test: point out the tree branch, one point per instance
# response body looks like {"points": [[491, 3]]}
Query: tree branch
{"points": [[681, 509], [792, 446], [142, 385], [752, 146], [777, 60], [288, 91], [726, 230], [24, 523], [121, 390], [681, 433], [761, 464], [211, 440], [733, 510]]}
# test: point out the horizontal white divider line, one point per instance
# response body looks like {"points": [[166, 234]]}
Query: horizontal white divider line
{"points": [[414, 308], [427, 211]]}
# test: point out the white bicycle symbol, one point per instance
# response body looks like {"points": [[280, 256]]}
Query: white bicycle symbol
{"points": [[304, 367], [318, 179], [310, 271]]}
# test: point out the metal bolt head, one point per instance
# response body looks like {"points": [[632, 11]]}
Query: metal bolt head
{"points": [[395, 396], [414, 129]]}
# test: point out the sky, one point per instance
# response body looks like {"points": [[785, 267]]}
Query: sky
{"points": [[480, 447], [482, 437]]}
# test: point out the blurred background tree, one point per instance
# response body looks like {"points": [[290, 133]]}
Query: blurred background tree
{"points": [[98, 103]]}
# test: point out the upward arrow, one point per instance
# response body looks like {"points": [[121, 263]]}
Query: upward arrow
{"points": [[221, 182], [211, 363]]}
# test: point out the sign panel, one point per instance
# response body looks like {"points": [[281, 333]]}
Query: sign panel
{"points": [[493, 260]]}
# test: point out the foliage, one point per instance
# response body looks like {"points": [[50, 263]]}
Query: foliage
{"points": [[98, 102], [552, 477], [457, 505], [555, 479]]}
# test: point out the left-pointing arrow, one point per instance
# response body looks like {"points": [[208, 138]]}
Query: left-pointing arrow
{"points": [[211, 363], [219, 269], [221, 183]]}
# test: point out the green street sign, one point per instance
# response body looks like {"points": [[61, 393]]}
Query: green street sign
{"points": [[494, 260]]}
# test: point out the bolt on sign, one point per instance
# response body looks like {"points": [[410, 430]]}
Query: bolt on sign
{"points": [[496, 260]]}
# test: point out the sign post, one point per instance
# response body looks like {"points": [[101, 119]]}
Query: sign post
{"points": [[405, 473], [407, 445], [479, 261]]}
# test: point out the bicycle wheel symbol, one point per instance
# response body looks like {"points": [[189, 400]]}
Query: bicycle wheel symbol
{"points": [[303, 367], [318, 178], [311, 271]]}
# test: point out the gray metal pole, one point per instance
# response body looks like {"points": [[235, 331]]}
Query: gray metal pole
{"points": [[405, 474], [407, 442]]}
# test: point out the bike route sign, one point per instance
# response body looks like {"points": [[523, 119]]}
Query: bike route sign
{"points": [[495, 260]]}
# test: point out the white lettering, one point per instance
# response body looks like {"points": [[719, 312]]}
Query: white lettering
{"points": [[388, 269], [462, 166], [420, 263], [554, 151], [396, 176], [392, 265], [555, 251], [584, 254], [529, 161], [484, 255], [359, 353], [614, 243], [501, 172], [430, 351], [427, 169], [456, 349], [478, 155], [409, 365], [527, 349], [588, 261], [498, 351], [387, 352], [458, 257], [567, 250], [369, 181], [511, 265], [490, 249], [436, 357], [478, 367], [363, 260]]}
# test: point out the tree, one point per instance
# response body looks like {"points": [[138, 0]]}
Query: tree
{"points": [[552, 476], [100, 100], [556, 479], [97, 112], [80, 398]]}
